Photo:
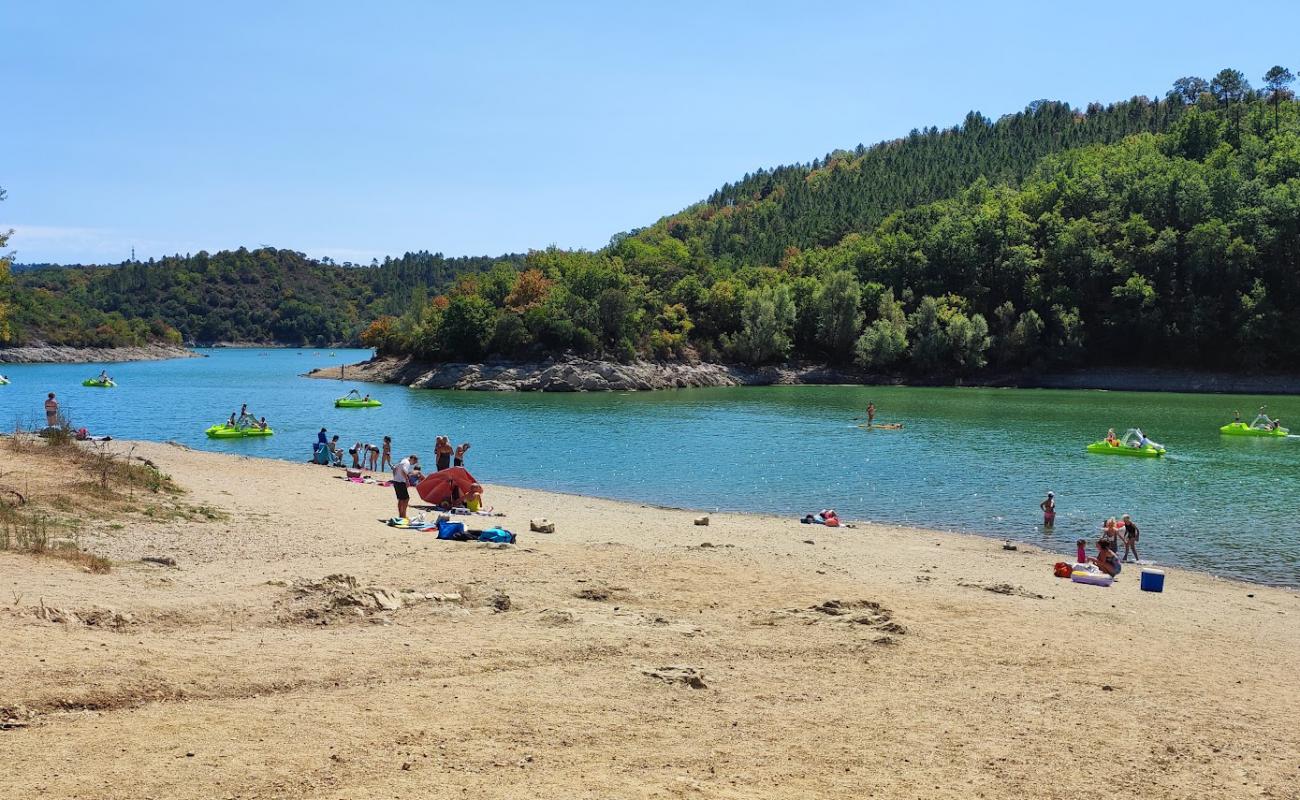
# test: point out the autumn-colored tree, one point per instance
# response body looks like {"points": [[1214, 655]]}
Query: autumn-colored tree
{"points": [[530, 289]]}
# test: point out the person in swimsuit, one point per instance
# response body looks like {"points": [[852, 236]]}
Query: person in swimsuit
{"points": [[261, 424], [474, 497], [51, 410], [1111, 438], [1110, 533], [1049, 510], [230, 423], [1106, 559], [461, 450], [1130, 538], [1236, 415], [387, 462], [372, 457], [871, 414], [442, 452]]}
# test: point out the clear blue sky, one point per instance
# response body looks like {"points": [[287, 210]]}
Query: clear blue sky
{"points": [[358, 129]]}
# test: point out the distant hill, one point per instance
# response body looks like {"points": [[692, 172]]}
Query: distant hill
{"points": [[263, 295], [1146, 233]]}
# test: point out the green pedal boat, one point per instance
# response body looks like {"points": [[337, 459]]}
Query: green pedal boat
{"points": [[1242, 429], [224, 431]]}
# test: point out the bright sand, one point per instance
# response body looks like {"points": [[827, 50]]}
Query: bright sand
{"points": [[224, 680]]}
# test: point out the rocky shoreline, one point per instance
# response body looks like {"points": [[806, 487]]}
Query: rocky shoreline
{"points": [[585, 375], [55, 354], [575, 375]]}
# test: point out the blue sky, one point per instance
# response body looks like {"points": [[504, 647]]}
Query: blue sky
{"points": [[359, 129]]}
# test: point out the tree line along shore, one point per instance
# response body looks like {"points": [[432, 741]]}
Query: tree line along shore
{"points": [[1152, 233]]}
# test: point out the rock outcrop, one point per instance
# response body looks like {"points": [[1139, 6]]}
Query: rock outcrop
{"points": [[574, 375]]}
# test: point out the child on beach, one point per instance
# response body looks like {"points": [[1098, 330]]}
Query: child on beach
{"points": [[1110, 533], [461, 450], [1081, 551], [1049, 510], [387, 463]]}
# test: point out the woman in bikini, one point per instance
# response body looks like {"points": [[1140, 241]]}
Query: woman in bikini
{"points": [[442, 451], [387, 463], [1049, 510]]}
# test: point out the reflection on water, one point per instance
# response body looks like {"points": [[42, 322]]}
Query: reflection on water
{"points": [[975, 460]]}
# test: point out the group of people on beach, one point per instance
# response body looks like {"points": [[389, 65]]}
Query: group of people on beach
{"points": [[364, 455], [407, 474], [1114, 533]]}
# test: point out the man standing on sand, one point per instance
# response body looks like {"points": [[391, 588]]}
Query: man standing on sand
{"points": [[404, 475], [51, 411]]}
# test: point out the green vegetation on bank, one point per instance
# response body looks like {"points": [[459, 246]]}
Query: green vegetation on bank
{"points": [[1157, 233], [1146, 233], [263, 295]]}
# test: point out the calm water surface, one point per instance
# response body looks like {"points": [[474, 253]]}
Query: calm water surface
{"points": [[975, 460]]}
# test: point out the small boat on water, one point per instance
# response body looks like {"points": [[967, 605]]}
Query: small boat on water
{"points": [[1129, 445], [353, 399], [1262, 425], [227, 431], [99, 383]]}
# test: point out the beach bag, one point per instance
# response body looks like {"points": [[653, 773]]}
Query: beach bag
{"points": [[1062, 570], [497, 535], [454, 531]]}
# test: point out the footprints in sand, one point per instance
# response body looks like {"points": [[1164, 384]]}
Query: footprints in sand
{"points": [[689, 676], [858, 615], [337, 598]]}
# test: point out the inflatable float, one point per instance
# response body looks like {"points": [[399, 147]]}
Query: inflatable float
{"points": [[99, 383], [435, 489], [1242, 429], [227, 431], [1091, 575]]}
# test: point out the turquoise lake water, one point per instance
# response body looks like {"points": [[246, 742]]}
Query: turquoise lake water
{"points": [[972, 460]]}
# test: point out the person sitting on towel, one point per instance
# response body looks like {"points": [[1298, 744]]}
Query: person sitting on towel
{"points": [[473, 499]]}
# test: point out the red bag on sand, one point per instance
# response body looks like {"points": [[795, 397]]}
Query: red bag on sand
{"points": [[1061, 570]]}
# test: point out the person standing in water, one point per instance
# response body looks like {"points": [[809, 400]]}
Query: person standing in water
{"points": [[1049, 510], [459, 459]]}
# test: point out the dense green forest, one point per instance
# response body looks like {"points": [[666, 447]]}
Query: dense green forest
{"points": [[263, 295], [1150, 232]]}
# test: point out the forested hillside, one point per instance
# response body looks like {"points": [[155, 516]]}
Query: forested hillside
{"points": [[1145, 233], [263, 295]]}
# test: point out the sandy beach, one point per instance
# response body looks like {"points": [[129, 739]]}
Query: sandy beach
{"points": [[299, 648]]}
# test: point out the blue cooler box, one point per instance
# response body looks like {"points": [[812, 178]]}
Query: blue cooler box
{"points": [[1153, 580]]}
